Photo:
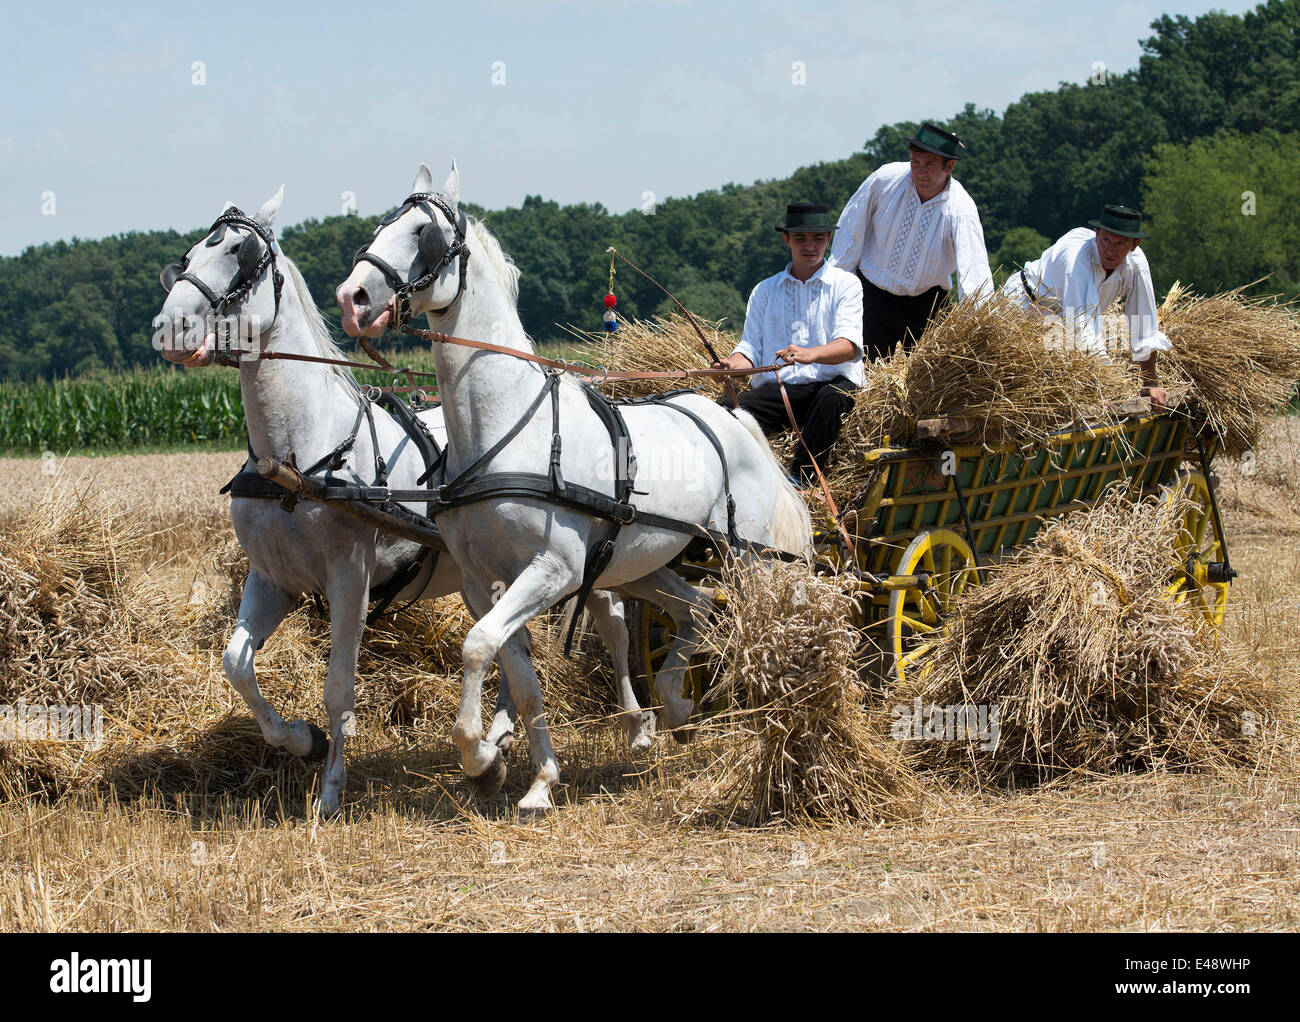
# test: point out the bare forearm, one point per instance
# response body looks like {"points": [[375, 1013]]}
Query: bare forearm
{"points": [[839, 350]]}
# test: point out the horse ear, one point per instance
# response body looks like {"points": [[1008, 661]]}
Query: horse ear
{"points": [[266, 214], [228, 205], [451, 187], [423, 180]]}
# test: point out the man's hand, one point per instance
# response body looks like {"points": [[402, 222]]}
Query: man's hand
{"points": [[802, 356], [1158, 395], [733, 361]]}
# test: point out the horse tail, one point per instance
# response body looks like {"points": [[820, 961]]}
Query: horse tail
{"points": [[791, 523]]}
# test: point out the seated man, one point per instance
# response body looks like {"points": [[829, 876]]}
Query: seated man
{"points": [[1083, 274], [809, 314]]}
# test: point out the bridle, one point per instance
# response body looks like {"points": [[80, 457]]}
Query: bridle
{"points": [[434, 252], [256, 253]]}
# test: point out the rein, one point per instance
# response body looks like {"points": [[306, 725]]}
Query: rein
{"points": [[598, 375]]}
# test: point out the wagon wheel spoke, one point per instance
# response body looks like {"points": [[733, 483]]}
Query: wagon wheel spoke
{"points": [[922, 627], [918, 654]]}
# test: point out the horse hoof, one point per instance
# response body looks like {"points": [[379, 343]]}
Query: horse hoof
{"points": [[320, 744], [683, 735], [328, 807], [489, 782]]}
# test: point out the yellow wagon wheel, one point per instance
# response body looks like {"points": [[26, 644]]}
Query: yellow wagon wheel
{"points": [[1200, 547], [943, 563], [651, 632]]}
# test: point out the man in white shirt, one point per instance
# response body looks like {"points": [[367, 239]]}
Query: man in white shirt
{"points": [[810, 315], [1083, 274], [905, 232]]}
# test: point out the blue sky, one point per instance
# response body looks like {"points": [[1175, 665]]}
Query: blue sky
{"points": [[601, 101]]}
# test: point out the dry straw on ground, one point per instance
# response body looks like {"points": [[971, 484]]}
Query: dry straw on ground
{"points": [[804, 749], [1092, 665], [1242, 355]]}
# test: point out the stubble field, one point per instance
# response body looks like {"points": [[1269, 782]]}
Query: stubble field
{"points": [[231, 846]]}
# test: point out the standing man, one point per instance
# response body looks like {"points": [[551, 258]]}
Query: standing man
{"points": [[1083, 274], [905, 232], [809, 314]]}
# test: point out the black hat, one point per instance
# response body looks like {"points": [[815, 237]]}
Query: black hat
{"points": [[809, 217], [1121, 220], [934, 139]]}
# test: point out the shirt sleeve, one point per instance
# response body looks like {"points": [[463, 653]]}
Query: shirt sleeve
{"points": [[1144, 331], [848, 313], [751, 338], [851, 231], [974, 279]]}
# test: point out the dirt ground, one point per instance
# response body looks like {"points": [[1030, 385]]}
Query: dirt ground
{"points": [[413, 850]]}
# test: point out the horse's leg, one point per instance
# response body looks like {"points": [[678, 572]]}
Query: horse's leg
{"points": [[687, 607], [348, 589], [502, 732], [538, 586], [261, 609], [607, 612]]}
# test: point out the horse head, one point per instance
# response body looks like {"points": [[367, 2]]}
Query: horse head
{"points": [[415, 264], [224, 293]]}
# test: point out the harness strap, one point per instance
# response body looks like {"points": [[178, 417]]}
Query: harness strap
{"points": [[1024, 281], [732, 538], [601, 552], [448, 491]]}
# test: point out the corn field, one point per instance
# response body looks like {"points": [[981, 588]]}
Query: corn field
{"points": [[144, 407], [156, 407]]}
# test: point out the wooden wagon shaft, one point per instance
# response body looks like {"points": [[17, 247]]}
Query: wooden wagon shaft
{"points": [[295, 482]]}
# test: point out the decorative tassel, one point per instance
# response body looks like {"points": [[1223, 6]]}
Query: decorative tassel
{"points": [[610, 319]]}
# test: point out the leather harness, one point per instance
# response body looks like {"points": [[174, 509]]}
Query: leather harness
{"points": [[247, 483]]}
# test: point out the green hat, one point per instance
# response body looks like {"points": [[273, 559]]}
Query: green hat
{"points": [[809, 217], [1121, 220], [934, 139]]}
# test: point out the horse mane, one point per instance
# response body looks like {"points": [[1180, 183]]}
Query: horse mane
{"points": [[316, 325], [502, 265]]}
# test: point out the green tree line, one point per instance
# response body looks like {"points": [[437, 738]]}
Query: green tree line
{"points": [[1202, 135]]}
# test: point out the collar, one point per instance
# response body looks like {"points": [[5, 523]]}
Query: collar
{"points": [[943, 194], [787, 276]]}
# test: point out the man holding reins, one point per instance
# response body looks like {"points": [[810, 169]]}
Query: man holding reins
{"points": [[905, 232], [810, 315], [1083, 274]]}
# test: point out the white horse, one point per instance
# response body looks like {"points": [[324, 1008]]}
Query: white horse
{"points": [[307, 409], [535, 549]]}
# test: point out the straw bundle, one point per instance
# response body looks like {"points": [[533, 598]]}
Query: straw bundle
{"points": [[1241, 354], [72, 600], [986, 369], [805, 750], [665, 342], [1090, 663]]}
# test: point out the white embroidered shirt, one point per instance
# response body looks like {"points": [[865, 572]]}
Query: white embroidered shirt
{"points": [[1068, 280], [784, 310], [906, 246]]}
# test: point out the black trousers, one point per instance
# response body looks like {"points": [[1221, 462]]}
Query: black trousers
{"points": [[819, 409], [888, 318]]}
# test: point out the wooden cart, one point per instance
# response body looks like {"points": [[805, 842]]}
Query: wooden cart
{"points": [[931, 516]]}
